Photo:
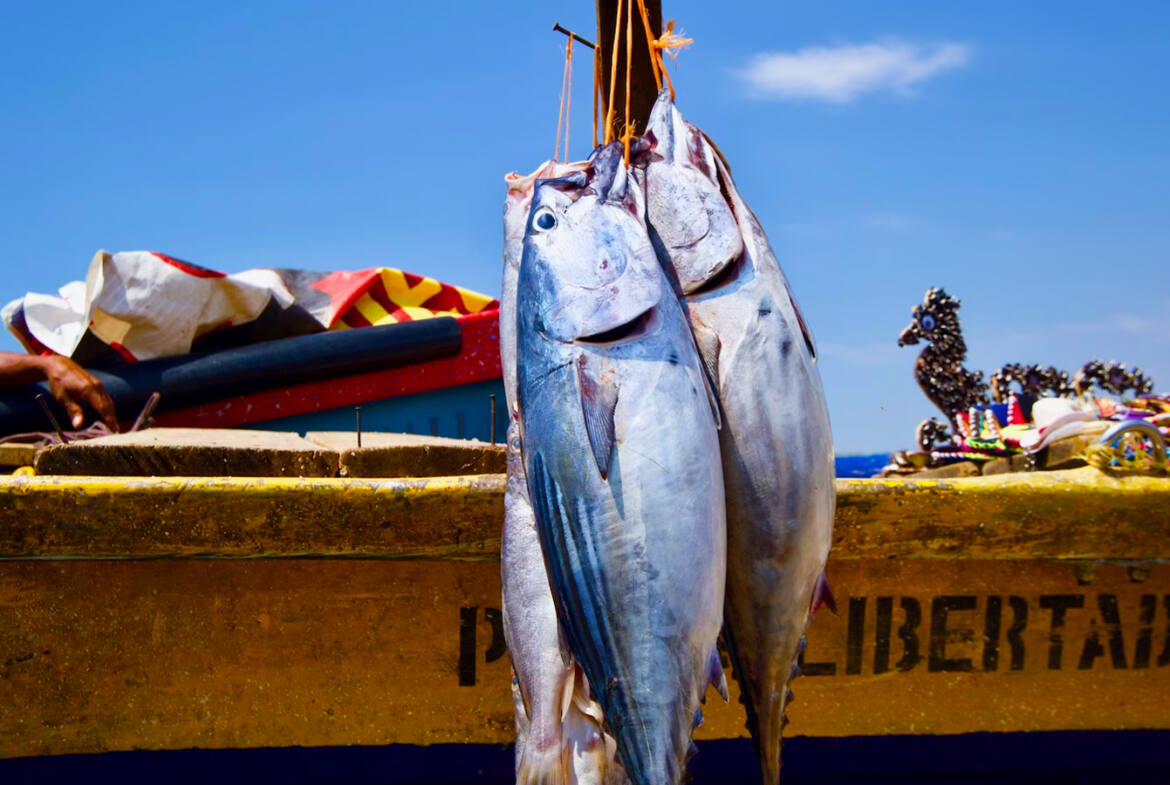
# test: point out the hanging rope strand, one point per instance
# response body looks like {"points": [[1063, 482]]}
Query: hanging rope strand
{"points": [[561, 111], [596, 92], [609, 108], [655, 55], [568, 94], [627, 130]]}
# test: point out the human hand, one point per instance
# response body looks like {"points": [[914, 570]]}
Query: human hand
{"points": [[73, 386]]}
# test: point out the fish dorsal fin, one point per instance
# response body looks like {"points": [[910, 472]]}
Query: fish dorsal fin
{"points": [[718, 678], [599, 396], [708, 343], [823, 595]]}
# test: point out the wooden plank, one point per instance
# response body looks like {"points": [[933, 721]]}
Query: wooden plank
{"points": [[191, 452], [409, 455], [16, 454], [1072, 514], [150, 654], [1077, 514]]}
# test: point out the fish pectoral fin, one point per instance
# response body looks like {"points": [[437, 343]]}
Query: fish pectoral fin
{"points": [[599, 397], [708, 343], [717, 676]]}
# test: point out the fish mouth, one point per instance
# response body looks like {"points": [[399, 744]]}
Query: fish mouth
{"points": [[726, 274], [627, 331]]}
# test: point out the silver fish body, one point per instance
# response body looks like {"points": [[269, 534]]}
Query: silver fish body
{"points": [[621, 454], [776, 442]]}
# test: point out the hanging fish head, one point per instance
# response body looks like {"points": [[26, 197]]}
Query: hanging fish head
{"points": [[691, 221], [588, 271], [517, 206]]}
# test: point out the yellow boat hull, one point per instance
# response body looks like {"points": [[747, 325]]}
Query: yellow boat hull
{"points": [[170, 613]]}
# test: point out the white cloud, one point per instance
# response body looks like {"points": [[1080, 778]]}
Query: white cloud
{"points": [[841, 74]]}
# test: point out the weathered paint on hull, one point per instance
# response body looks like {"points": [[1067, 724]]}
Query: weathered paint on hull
{"points": [[996, 618]]}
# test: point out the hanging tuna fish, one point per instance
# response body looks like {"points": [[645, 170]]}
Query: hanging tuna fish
{"points": [[628, 501], [776, 445], [558, 726]]}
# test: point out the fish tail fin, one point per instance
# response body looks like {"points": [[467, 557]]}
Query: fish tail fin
{"points": [[770, 728], [541, 766], [765, 718], [717, 676]]}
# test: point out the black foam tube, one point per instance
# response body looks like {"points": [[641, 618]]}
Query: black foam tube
{"points": [[200, 378]]}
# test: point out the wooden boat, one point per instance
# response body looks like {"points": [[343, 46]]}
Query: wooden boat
{"points": [[171, 613]]}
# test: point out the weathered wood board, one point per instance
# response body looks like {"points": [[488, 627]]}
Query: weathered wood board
{"points": [[1032, 608], [17, 454], [409, 455], [192, 452], [216, 452]]}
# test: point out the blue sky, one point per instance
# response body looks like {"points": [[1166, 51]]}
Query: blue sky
{"points": [[1015, 153]]}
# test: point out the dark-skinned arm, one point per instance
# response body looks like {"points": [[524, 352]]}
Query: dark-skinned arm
{"points": [[69, 383]]}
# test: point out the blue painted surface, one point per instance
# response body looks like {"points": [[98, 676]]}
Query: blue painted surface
{"points": [[464, 412]]}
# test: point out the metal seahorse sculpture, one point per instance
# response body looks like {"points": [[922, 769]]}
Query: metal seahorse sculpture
{"points": [[1111, 377], [939, 369], [1033, 380], [954, 389]]}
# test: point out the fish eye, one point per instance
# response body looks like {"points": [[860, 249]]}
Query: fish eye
{"points": [[515, 444], [927, 322], [545, 219]]}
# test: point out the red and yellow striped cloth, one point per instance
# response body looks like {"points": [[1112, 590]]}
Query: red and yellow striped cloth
{"points": [[384, 295]]}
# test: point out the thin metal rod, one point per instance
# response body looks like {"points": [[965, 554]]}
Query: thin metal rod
{"points": [[49, 413], [357, 412], [147, 412], [493, 419], [574, 36]]}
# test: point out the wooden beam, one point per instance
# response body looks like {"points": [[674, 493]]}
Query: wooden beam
{"points": [[643, 90], [1075, 514]]}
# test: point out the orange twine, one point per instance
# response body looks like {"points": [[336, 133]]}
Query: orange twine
{"points": [[564, 114], [596, 91], [609, 113], [569, 94], [655, 56], [627, 131], [670, 43]]}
